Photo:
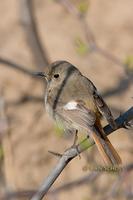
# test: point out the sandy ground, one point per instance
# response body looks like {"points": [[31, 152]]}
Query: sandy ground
{"points": [[27, 160]]}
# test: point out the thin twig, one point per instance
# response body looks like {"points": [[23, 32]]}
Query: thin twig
{"points": [[74, 11], [17, 194], [109, 56], [122, 86], [29, 21], [70, 185], [5, 132], [3, 119], [65, 187], [78, 182], [73, 152], [89, 35], [17, 67], [26, 99]]}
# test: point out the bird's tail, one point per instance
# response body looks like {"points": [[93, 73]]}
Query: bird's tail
{"points": [[106, 149]]}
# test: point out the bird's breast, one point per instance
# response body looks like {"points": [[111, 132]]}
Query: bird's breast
{"points": [[48, 102]]}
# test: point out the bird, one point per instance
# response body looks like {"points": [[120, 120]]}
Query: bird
{"points": [[75, 104]]}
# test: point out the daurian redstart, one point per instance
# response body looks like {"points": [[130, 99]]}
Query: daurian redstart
{"points": [[74, 102]]}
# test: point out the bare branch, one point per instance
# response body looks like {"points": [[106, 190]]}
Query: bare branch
{"points": [[67, 186], [74, 11], [78, 182], [109, 56], [29, 21], [4, 127], [17, 67], [17, 194], [73, 152], [121, 121], [25, 99], [90, 38], [123, 85]]}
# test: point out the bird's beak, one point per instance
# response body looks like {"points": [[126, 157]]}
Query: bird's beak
{"points": [[40, 74]]}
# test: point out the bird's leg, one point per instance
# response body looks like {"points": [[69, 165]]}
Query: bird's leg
{"points": [[73, 146], [75, 138], [74, 143]]}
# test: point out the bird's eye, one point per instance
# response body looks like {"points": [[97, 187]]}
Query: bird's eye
{"points": [[56, 75]]}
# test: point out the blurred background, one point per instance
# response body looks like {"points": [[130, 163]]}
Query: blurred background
{"points": [[97, 37]]}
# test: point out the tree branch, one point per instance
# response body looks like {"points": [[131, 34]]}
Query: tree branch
{"points": [[25, 99], [29, 21], [72, 153], [17, 67], [81, 181], [89, 35], [67, 186], [122, 86]]}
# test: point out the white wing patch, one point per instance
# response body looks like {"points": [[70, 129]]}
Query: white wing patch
{"points": [[71, 105]]}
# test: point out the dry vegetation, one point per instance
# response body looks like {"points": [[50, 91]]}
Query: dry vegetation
{"points": [[34, 33]]}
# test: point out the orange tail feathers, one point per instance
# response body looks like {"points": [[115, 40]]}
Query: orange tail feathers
{"points": [[106, 149]]}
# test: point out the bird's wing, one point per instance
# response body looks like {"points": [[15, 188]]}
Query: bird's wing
{"points": [[77, 113], [103, 108]]}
